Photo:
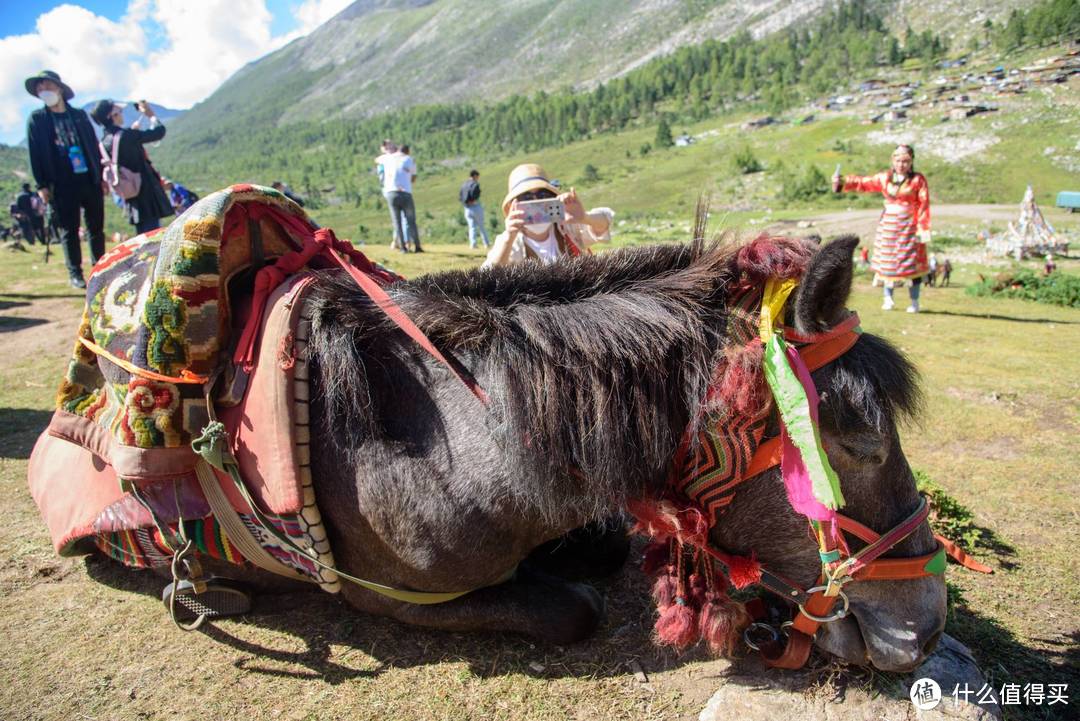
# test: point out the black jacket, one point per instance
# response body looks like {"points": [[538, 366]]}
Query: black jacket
{"points": [[41, 138], [24, 202], [152, 200]]}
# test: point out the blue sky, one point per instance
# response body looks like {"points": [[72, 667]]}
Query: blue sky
{"points": [[170, 52], [20, 17]]}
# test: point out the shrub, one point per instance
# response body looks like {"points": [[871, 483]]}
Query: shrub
{"points": [[745, 162], [807, 185], [1055, 289], [590, 174], [948, 516], [663, 134]]}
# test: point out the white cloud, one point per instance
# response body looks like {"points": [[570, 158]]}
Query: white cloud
{"points": [[313, 13], [206, 42], [201, 44]]}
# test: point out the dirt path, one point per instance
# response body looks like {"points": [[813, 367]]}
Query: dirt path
{"points": [[959, 218]]}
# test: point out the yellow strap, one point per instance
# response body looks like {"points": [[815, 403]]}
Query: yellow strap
{"points": [[772, 305], [185, 376]]}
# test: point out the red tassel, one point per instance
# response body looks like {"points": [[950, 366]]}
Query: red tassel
{"points": [[739, 387], [721, 622], [743, 571], [677, 626], [665, 588], [765, 257]]}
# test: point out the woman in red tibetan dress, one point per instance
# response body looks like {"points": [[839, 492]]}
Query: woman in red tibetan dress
{"points": [[904, 228]]}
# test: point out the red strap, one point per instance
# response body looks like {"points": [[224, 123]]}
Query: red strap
{"points": [[766, 456], [370, 279], [960, 556], [800, 638], [394, 312], [819, 354], [897, 569]]}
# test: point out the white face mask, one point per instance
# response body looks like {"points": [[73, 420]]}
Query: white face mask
{"points": [[538, 229], [49, 97]]}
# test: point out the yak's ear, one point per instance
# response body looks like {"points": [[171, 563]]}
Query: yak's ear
{"points": [[824, 288]]}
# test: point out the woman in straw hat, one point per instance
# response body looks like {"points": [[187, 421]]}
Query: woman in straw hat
{"points": [[545, 242], [904, 228]]}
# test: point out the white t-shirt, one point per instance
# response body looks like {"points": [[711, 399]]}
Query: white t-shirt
{"points": [[398, 170], [547, 250]]}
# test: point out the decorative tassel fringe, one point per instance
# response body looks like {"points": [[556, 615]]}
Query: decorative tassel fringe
{"points": [[677, 626], [721, 622], [739, 385], [773, 257], [691, 598], [743, 571], [665, 588]]}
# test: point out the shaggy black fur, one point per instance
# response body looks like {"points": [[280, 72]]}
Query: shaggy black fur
{"points": [[870, 387], [596, 364]]}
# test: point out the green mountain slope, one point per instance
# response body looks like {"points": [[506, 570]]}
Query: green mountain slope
{"points": [[378, 55]]}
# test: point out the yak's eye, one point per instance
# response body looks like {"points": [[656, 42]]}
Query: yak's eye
{"points": [[867, 447]]}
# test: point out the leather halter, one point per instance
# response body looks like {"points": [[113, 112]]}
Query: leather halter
{"points": [[839, 565]]}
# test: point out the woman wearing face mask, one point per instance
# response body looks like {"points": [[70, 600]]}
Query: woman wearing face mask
{"points": [[545, 242], [904, 228], [66, 168], [146, 209]]}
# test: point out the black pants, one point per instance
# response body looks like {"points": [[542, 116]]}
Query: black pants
{"points": [[39, 228], [145, 226], [27, 228], [67, 201]]}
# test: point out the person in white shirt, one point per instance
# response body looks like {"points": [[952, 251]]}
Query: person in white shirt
{"points": [[398, 174], [545, 242]]}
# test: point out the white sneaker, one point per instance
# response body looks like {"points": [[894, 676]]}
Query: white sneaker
{"points": [[913, 308], [888, 304]]}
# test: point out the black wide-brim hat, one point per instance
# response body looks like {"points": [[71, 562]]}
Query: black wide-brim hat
{"points": [[65, 89]]}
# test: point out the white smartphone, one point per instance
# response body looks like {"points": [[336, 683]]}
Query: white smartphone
{"points": [[547, 210]]}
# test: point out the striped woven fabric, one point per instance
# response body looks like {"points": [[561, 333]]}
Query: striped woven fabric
{"points": [[718, 457]]}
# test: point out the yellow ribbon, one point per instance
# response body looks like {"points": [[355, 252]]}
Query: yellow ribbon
{"points": [[772, 305]]}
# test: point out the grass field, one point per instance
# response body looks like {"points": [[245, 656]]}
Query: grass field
{"points": [[86, 640]]}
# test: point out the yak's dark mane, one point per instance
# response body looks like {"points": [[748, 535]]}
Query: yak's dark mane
{"points": [[594, 364], [872, 386]]}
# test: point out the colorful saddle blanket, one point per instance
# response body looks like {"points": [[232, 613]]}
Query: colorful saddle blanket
{"points": [[115, 468]]}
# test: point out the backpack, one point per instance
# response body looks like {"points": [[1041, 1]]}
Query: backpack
{"points": [[120, 180]]}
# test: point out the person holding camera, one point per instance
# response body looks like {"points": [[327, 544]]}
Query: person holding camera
{"points": [[545, 231], [67, 169], [146, 209]]}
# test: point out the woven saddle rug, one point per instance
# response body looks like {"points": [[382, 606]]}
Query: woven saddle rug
{"points": [[115, 469]]}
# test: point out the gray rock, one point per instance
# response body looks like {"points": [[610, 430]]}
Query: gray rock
{"points": [[751, 692]]}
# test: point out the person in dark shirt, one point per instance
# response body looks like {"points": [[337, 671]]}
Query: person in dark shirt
{"points": [[180, 197], [287, 192], [469, 195], [24, 213], [146, 209], [66, 166]]}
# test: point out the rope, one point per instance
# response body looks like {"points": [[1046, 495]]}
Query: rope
{"points": [[185, 376]]}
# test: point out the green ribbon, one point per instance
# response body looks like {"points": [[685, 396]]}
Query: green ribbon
{"points": [[794, 410]]}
